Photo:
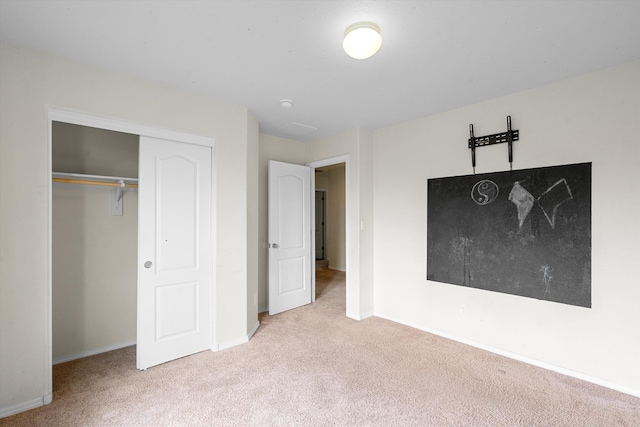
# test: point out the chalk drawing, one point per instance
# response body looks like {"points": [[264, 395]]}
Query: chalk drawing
{"points": [[462, 246], [550, 200], [546, 279], [484, 192], [523, 201]]}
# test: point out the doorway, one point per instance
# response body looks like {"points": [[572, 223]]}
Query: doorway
{"points": [[288, 203], [320, 230], [330, 217], [331, 176]]}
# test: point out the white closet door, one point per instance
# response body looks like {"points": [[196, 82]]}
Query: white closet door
{"points": [[174, 251]]}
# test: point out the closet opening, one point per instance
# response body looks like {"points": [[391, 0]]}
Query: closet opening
{"points": [[94, 238], [101, 297]]}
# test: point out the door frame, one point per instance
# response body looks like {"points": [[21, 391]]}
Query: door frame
{"points": [[347, 212], [325, 193], [57, 114]]}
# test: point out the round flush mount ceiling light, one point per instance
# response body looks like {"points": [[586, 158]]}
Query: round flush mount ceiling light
{"points": [[286, 103], [362, 40]]}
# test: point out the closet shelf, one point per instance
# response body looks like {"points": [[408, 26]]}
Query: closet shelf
{"points": [[107, 181]]}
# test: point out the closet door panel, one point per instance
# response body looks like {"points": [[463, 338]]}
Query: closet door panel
{"points": [[174, 261], [177, 201]]}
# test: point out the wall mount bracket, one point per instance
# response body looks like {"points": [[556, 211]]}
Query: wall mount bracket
{"points": [[497, 138]]}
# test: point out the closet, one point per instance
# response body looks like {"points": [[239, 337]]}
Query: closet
{"points": [[94, 240]]}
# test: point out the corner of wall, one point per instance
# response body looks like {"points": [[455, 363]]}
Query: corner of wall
{"points": [[253, 214]]}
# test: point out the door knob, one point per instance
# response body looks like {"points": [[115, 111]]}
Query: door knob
{"points": [[148, 264], [275, 246]]}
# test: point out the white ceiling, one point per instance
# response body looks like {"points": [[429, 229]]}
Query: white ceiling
{"points": [[436, 55]]}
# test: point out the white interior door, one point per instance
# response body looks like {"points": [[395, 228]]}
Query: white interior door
{"points": [[174, 250], [290, 252]]}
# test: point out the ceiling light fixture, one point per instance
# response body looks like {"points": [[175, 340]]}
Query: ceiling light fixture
{"points": [[286, 103], [362, 40]]}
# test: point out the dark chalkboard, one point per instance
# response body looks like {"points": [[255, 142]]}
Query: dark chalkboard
{"points": [[525, 232]]}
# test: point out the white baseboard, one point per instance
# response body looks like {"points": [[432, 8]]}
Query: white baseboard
{"points": [[253, 330], [359, 316], [232, 343], [239, 341], [354, 316], [515, 356], [93, 352], [25, 406]]}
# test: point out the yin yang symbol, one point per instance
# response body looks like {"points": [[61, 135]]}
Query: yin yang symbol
{"points": [[484, 192]]}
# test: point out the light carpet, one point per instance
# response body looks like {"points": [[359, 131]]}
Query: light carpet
{"points": [[312, 366]]}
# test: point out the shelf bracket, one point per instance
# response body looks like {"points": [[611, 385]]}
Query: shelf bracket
{"points": [[497, 138], [116, 199]]}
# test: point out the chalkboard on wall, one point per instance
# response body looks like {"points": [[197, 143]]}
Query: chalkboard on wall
{"points": [[525, 232]]}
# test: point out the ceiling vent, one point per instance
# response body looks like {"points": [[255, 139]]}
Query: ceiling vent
{"points": [[296, 129]]}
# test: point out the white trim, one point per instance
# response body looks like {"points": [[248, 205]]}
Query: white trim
{"points": [[110, 123], [312, 232], [239, 341], [214, 254], [25, 406], [519, 357], [93, 352], [253, 330], [49, 358], [347, 207], [233, 343]]}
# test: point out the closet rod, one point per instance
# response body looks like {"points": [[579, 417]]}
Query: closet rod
{"points": [[84, 181]]}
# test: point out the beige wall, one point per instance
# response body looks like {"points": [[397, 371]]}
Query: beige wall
{"points": [[87, 150], [31, 81], [94, 271], [357, 145], [336, 231], [322, 179], [588, 119]]}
